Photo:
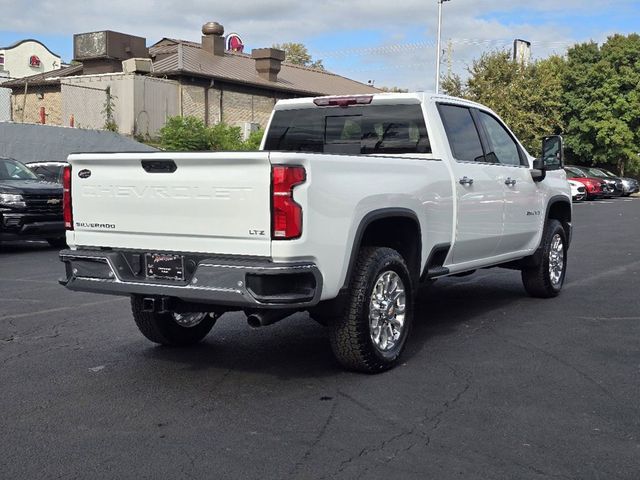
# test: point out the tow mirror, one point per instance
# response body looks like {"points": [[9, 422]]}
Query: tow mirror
{"points": [[552, 157], [552, 153]]}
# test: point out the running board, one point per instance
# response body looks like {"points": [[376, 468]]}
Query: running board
{"points": [[437, 272]]}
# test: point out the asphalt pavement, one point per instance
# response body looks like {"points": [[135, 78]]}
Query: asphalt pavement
{"points": [[494, 384]]}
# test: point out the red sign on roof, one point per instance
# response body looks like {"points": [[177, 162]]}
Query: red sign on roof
{"points": [[234, 43], [34, 61]]}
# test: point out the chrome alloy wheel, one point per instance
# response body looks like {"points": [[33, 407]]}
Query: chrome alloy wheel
{"points": [[556, 260], [387, 310], [189, 320]]}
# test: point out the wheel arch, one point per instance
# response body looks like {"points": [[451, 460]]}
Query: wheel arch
{"points": [[559, 208], [385, 227]]}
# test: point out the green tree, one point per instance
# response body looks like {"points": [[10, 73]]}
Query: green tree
{"points": [[298, 54], [393, 89], [602, 103], [184, 134], [528, 97]]}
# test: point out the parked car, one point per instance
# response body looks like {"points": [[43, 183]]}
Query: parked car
{"points": [[595, 187], [614, 183], [350, 204], [629, 185], [30, 208], [578, 190], [49, 171]]}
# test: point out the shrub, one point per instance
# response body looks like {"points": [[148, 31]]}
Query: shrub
{"points": [[223, 137], [254, 140], [184, 134]]}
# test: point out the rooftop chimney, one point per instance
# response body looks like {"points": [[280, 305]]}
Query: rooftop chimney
{"points": [[268, 62], [212, 39]]}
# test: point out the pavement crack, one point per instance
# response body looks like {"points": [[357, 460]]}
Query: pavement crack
{"points": [[318, 438], [531, 348]]}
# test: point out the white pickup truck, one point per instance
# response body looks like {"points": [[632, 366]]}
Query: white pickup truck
{"points": [[349, 205]]}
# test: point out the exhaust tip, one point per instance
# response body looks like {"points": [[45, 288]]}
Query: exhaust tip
{"points": [[254, 321]]}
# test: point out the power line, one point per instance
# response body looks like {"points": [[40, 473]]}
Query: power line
{"points": [[404, 47]]}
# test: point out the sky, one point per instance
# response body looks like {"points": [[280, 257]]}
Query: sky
{"points": [[386, 42]]}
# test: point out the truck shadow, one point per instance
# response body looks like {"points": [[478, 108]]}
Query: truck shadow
{"points": [[297, 347]]}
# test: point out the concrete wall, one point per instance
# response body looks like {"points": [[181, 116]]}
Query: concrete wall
{"points": [[141, 104], [156, 100], [84, 98], [29, 143]]}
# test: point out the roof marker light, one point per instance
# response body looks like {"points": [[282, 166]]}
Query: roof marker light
{"points": [[343, 101]]}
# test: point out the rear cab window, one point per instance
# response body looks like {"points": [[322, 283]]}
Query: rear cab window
{"points": [[354, 130]]}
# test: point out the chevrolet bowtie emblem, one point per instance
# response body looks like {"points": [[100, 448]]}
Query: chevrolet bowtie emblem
{"points": [[53, 201]]}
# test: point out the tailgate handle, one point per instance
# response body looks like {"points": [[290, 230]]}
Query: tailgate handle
{"points": [[159, 166]]}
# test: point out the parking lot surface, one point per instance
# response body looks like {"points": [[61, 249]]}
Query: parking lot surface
{"points": [[494, 384]]}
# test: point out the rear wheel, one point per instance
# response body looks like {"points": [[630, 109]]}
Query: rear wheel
{"points": [[546, 279], [371, 334], [172, 328]]}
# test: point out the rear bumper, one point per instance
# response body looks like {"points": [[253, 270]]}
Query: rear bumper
{"points": [[224, 281]]}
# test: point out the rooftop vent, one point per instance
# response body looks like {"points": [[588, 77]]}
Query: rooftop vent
{"points": [[212, 38], [268, 62]]}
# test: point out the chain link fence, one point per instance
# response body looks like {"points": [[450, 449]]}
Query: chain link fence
{"points": [[55, 103]]}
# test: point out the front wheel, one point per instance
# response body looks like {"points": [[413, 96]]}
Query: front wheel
{"points": [[172, 328], [546, 279], [371, 334]]}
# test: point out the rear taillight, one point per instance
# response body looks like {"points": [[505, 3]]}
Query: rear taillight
{"points": [[286, 214], [67, 214]]}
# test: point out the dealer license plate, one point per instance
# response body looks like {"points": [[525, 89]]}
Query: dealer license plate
{"points": [[165, 266]]}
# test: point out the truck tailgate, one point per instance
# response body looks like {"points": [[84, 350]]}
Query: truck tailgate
{"points": [[175, 202]]}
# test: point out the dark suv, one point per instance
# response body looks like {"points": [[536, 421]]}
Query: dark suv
{"points": [[30, 208]]}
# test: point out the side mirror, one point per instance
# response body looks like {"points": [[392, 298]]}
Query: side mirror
{"points": [[552, 153]]}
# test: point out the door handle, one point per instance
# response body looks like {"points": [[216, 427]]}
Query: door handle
{"points": [[466, 181], [510, 182], [159, 166]]}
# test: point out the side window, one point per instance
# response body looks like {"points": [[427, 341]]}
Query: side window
{"points": [[462, 133], [503, 149]]}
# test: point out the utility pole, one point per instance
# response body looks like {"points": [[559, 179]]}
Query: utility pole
{"points": [[449, 58], [440, 2]]}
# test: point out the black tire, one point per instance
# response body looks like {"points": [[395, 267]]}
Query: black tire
{"points": [[350, 334], [57, 242], [538, 280], [163, 329]]}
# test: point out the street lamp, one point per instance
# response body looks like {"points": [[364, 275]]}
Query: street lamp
{"points": [[440, 2]]}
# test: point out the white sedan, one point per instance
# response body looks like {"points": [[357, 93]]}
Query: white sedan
{"points": [[578, 192]]}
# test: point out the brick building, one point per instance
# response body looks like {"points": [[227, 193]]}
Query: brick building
{"points": [[171, 77]]}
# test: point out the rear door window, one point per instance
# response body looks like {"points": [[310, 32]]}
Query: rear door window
{"points": [[382, 129], [462, 133]]}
